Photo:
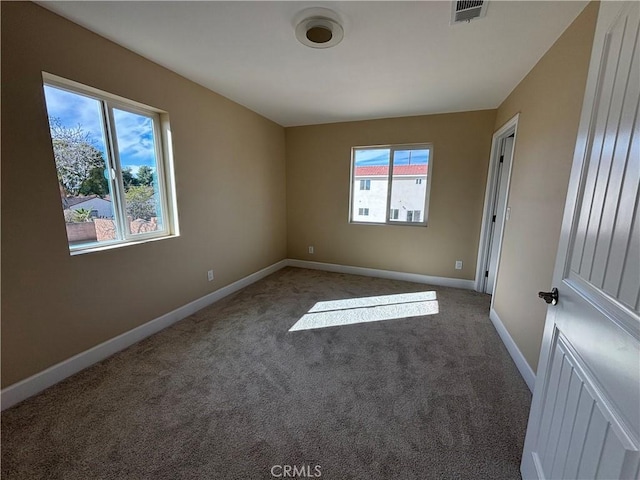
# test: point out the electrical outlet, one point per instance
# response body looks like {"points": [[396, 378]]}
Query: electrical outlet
{"points": [[210, 275], [458, 264], [311, 249]]}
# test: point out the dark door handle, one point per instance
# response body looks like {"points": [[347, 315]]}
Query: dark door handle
{"points": [[550, 297]]}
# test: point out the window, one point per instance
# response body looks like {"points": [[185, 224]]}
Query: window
{"points": [[115, 182], [397, 180], [413, 215], [363, 212]]}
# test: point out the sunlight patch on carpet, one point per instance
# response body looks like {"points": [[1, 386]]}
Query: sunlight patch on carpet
{"points": [[368, 309]]}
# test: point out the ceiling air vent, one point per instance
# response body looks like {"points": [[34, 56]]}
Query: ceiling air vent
{"points": [[467, 10]]}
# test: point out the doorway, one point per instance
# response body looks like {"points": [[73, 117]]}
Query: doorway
{"points": [[496, 209]]}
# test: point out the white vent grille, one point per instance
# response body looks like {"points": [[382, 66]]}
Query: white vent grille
{"points": [[467, 10]]}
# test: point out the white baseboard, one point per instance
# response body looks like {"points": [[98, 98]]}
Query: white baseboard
{"points": [[28, 387], [373, 272], [525, 370]]}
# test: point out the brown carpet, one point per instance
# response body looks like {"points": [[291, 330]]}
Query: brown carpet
{"points": [[230, 393]]}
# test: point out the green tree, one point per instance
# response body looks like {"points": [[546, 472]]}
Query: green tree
{"points": [[95, 184], [145, 175], [140, 202], [129, 179], [76, 156]]}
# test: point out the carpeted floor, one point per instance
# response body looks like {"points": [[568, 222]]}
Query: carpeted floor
{"points": [[230, 393]]}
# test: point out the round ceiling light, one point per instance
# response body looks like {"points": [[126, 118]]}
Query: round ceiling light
{"points": [[319, 30]]}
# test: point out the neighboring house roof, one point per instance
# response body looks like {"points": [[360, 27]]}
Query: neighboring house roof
{"points": [[73, 201], [381, 170]]}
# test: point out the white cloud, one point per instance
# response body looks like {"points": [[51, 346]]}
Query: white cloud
{"points": [[135, 138], [73, 109]]}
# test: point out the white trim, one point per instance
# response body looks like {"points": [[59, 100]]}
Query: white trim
{"points": [[36, 383], [525, 370], [483, 245], [374, 272]]}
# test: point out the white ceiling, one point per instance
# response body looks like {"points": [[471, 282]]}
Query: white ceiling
{"points": [[396, 58]]}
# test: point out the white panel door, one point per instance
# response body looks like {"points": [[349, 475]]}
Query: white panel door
{"points": [[585, 415]]}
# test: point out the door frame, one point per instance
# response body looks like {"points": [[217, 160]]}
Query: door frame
{"points": [[508, 129]]}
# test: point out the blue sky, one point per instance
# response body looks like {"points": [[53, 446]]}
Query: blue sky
{"points": [[380, 156], [134, 133]]}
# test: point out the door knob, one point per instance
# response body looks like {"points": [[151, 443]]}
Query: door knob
{"points": [[550, 297]]}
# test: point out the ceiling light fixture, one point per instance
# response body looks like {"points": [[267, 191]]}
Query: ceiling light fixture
{"points": [[319, 28]]}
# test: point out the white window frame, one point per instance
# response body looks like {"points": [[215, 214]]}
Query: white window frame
{"points": [[365, 184], [392, 149], [164, 164]]}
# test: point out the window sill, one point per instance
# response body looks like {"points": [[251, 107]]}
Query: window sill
{"points": [[112, 246], [389, 224]]}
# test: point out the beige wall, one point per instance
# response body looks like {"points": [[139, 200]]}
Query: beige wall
{"points": [[549, 100], [318, 174], [230, 169]]}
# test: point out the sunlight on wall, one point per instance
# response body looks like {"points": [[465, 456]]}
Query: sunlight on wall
{"points": [[368, 309]]}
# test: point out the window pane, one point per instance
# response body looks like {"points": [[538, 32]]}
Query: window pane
{"points": [[78, 139], [137, 152], [371, 166], [409, 185]]}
